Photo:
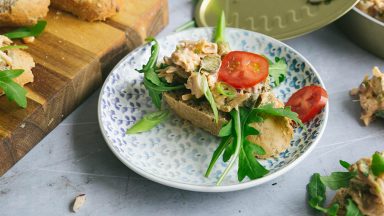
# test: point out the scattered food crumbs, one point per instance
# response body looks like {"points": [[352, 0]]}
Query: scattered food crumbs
{"points": [[273, 184], [22, 125], [29, 39], [50, 121], [58, 12], [79, 202]]}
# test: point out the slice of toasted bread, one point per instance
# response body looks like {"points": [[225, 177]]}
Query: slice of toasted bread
{"points": [[275, 132], [22, 12], [198, 112]]}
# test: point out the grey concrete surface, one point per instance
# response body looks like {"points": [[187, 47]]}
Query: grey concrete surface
{"points": [[75, 159]]}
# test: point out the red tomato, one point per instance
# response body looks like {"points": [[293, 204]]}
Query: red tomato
{"points": [[308, 102], [243, 69]]}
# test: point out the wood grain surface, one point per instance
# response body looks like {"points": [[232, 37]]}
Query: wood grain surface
{"points": [[72, 58]]}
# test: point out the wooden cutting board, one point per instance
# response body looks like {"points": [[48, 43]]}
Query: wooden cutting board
{"points": [[72, 58]]}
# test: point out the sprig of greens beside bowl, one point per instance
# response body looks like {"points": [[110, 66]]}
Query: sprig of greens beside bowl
{"points": [[236, 86]]}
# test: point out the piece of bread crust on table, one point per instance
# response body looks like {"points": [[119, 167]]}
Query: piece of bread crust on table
{"points": [[90, 10], [16, 59], [22, 12]]}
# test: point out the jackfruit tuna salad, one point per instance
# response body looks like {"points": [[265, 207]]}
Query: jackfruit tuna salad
{"points": [[374, 8], [359, 190], [370, 94]]}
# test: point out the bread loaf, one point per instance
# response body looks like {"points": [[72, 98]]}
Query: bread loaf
{"points": [[22, 12], [90, 10]]}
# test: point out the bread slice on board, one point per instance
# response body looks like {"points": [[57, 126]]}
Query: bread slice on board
{"points": [[90, 10], [22, 12]]}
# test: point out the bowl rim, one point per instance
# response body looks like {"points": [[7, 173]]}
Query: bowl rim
{"points": [[369, 17], [213, 188]]}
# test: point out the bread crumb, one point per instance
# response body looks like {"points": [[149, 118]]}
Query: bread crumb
{"points": [[79, 202], [29, 39]]}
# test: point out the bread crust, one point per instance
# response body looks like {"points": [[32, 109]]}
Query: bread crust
{"points": [[23, 12], [275, 135], [90, 10], [199, 113]]}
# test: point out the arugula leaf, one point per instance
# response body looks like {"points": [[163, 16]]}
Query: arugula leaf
{"points": [[283, 112], [148, 122], [337, 180], [23, 32], [226, 130], [316, 189], [230, 150], [208, 95], [151, 63], [316, 195], [11, 73], [249, 130], [278, 70], [152, 76], [223, 145], [13, 47], [248, 164], [255, 148], [352, 209], [377, 165], [380, 113], [152, 82], [155, 97], [14, 91], [344, 164], [237, 125]]}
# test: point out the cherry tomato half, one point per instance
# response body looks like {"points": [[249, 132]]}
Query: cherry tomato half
{"points": [[243, 69], [308, 102]]}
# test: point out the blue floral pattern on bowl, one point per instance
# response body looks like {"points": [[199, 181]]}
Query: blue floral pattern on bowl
{"points": [[177, 154]]}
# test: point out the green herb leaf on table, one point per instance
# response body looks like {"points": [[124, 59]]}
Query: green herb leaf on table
{"points": [[337, 180], [148, 122], [316, 190], [12, 90], [344, 164], [23, 32], [316, 196], [13, 47], [352, 209], [278, 70], [377, 165]]}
